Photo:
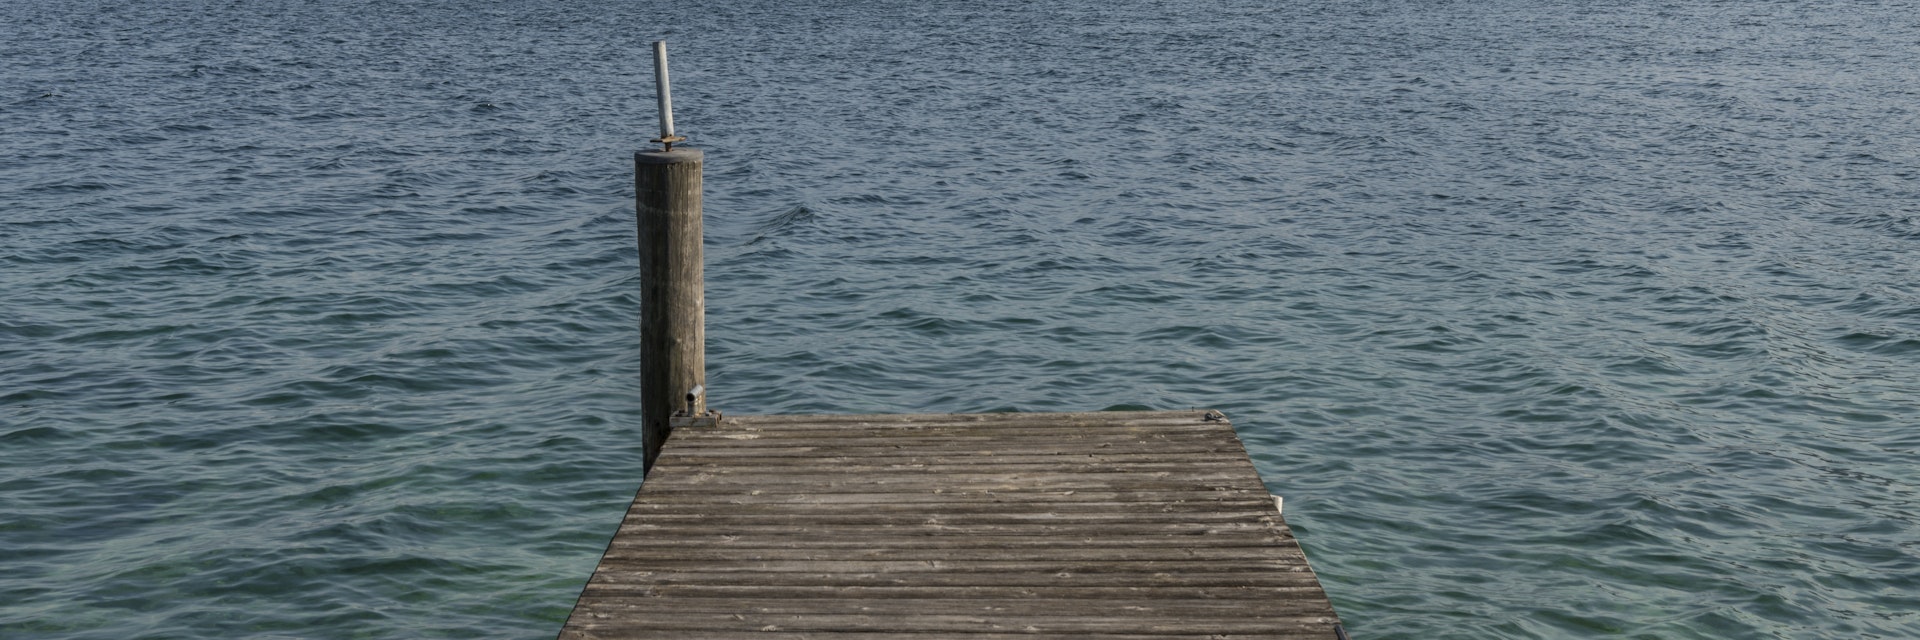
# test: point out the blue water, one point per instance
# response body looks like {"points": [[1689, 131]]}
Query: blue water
{"points": [[1550, 319]]}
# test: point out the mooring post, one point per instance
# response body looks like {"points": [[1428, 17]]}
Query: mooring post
{"points": [[673, 314]]}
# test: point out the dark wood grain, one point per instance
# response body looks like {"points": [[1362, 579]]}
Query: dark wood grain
{"points": [[673, 315]]}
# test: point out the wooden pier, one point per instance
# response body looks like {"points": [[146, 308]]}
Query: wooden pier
{"points": [[1134, 525], [1121, 525]]}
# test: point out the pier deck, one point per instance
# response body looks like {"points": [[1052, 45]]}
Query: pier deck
{"points": [[1135, 525]]}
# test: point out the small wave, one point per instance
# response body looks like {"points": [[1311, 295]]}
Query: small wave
{"points": [[796, 217]]}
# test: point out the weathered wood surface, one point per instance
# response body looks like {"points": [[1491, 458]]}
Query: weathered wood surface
{"points": [[673, 312], [1122, 525]]}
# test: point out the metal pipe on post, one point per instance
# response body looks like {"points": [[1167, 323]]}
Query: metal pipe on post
{"points": [[663, 90], [673, 313]]}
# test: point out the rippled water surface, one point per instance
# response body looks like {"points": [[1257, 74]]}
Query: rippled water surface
{"points": [[1549, 318]]}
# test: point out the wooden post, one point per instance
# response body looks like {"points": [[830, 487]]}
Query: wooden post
{"points": [[673, 313]]}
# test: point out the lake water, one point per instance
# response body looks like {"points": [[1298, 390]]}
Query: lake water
{"points": [[1550, 319]]}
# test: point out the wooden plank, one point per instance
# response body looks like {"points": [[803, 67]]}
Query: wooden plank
{"points": [[826, 477], [735, 428], [730, 520], [925, 577], [628, 631], [893, 458], [643, 552], [1067, 440], [827, 482], [1007, 603], [1012, 427], [731, 486], [1180, 532], [973, 592], [1086, 525], [1149, 476], [656, 620], [1099, 565], [1100, 417], [719, 446], [1241, 505], [662, 495], [1173, 531], [1067, 465], [831, 542]]}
